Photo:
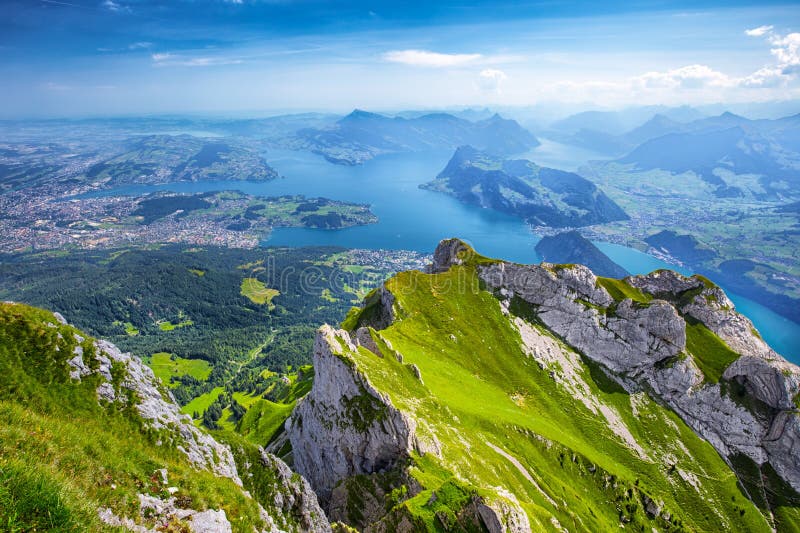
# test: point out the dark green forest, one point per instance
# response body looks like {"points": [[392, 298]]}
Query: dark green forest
{"points": [[188, 302]]}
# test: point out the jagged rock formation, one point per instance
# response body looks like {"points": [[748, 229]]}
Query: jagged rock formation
{"points": [[485, 394], [158, 409], [296, 498], [344, 427]]}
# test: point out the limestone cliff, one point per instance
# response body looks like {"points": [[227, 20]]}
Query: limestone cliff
{"points": [[344, 427]]}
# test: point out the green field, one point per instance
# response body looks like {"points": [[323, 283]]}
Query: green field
{"points": [[263, 420], [166, 325], [710, 352], [130, 329], [257, 292], [245, 400], [201, 403], [165, 367]]}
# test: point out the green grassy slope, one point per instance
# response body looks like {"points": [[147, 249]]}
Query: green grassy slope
{"points": [[505, 424], [63, 455]]}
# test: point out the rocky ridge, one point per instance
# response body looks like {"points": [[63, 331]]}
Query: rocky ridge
{"points": [[358, 445], [158, 409]]}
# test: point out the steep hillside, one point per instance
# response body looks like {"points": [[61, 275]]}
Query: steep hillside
{"points": [[683, 247], [542, 196], [487, 395], [92, 441]]}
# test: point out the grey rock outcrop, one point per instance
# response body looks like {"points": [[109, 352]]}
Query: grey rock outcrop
{"points": [[449, 252], [125, 379], [629, 341], [156, 407], [697, 298], [296, 497], [502, 515], [774, 382], [344, 426], [164, 513]]}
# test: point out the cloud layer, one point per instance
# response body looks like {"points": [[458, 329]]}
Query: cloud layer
{"points": [[424, 58]]}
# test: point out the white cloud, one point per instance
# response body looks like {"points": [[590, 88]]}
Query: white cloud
{"points": [[491, 80], [758, 32], [140, 45], [111, 5], [787, 51], [764, 77], [688, 77], [704, 82], [425, 58], [167, 59]]}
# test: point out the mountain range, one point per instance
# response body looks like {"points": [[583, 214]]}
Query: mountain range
{"points": [[769, 148], [487, 395], [362, 135]]}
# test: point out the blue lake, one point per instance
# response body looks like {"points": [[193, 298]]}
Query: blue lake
{"points": [[415, 219]]}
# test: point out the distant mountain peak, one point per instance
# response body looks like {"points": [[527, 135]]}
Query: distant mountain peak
{"points": [[496, 118], [661, 118], [465, 150], [728, 114], [360, 114]]}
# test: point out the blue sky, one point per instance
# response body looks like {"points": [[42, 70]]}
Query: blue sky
{"points": [[76, 57]]}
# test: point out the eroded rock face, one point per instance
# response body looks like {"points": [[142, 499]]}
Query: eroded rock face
{"points": [[447, 254], [772, 381], [166, 513], [126, 378], [344, 426], [644, 348], [665, 283], [502, 515], [297, 499], [632, 339], [707, 303], [158, 409]]}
